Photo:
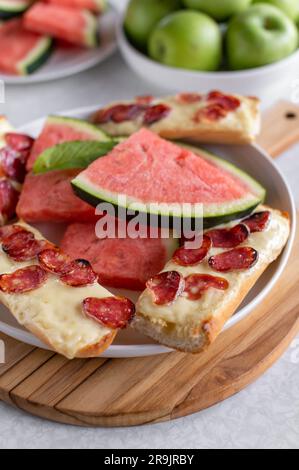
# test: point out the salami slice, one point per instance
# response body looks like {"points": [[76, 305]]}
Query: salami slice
{"points": [[238, 258], [197, 284], [21, 246], [18, 142], [226, 102], [156, 113], [229, 238], [188, 98], [79, 274], [211, 113], [112, 312], [166, 287], [8, 230], [189, 257], [258, 222], [54, 261], [119, 113], [23, 280]]}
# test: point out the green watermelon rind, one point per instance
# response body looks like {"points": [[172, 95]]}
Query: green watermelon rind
{"points": [[80, 125], [36, 57], [91, 36], [214, 214], [8, 10]]}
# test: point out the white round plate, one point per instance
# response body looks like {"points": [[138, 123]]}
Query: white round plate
{"points": [[68, 60], [268, 81], [251, 159]]}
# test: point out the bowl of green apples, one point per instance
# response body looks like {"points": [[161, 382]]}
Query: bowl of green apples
{"points": [[241, 46]]}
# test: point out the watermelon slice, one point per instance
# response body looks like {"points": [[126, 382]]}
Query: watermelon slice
{"points": [[152, 172], [58, 129], [49, 198], [22, 52], [97, 6], [120, 262], [71, 24], [11, 8]]}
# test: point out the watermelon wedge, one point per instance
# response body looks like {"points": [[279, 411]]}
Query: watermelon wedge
{"points": [[96, 6], [58, 129], [120, 262], [49, 198], [71, 24], [11, 8], [22, 52], [153, 173]]}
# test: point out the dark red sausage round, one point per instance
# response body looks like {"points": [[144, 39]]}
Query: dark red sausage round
{"points": [[229, 238], [54, 260], [21, 246], [166, 287], [156, 113], [79, 274], [23, 280], [189, 257], [188, 98], [112, 312], [197, 284], [258, 222], [119, 113], [238, 258]]}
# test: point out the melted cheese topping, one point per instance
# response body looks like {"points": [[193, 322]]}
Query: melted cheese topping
{"points": [[183, 311], [180, 120], [55, 309]]}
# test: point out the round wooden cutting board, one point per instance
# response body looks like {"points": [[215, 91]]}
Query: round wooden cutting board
{"points": [[126, 392]]}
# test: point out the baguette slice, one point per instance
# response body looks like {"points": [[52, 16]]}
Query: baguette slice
{"points": [[214, 117], [53, 312], [191, 326]]}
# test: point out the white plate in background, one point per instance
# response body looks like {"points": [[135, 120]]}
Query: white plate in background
{"points": [[250, 158]]}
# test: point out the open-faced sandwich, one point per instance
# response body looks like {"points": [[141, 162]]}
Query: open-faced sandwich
{"points": [[189, 292]]}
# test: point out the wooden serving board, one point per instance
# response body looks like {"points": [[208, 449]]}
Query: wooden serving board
{"points": [[125, 392]]}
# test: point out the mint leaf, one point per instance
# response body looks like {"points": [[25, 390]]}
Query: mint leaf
{"points": [[68, 155]]}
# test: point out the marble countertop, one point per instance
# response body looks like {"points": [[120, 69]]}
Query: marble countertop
{"points": [[266, 414]]}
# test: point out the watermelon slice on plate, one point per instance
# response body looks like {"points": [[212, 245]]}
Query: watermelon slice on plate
{"points": [[22, 52], [74, 25], [153, 173], [11, 8], [120, 262], [96, 6], [59, 129]]}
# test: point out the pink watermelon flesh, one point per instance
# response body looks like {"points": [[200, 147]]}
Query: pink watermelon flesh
{"points": [[151, 169], [49, 198], [60, 22], [93, 5], [121, 262], [53, 134], [15, 45]]}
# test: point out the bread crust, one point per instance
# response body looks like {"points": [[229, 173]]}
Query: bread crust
{"points": [[197, 339]]}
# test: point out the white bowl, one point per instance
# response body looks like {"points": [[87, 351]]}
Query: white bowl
{"points": [[268, 82]]}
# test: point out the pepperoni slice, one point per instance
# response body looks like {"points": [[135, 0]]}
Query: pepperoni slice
{"points": [[210, 113], [112, 312], [166, 287], [188, 98], [197, 284], [146, 99], [79, 274], [228, 238], [8, 230], [23, 280], [54, 261], [119, 113], [13, 163], [258, 222], [9, 197], [21, 246], [226, 102], [189, 257], [18, 142], [239, 258], [156, 113]]}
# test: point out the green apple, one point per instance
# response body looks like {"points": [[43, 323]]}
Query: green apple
{"points": [[260, 35], [290, 7], [187, 39], [143, 15], [220, 10]]}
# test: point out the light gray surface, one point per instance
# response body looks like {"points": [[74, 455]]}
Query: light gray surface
{"points": [[266, 414]]}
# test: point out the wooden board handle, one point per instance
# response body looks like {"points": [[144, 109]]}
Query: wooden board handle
{"points": [[280, 128]]}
